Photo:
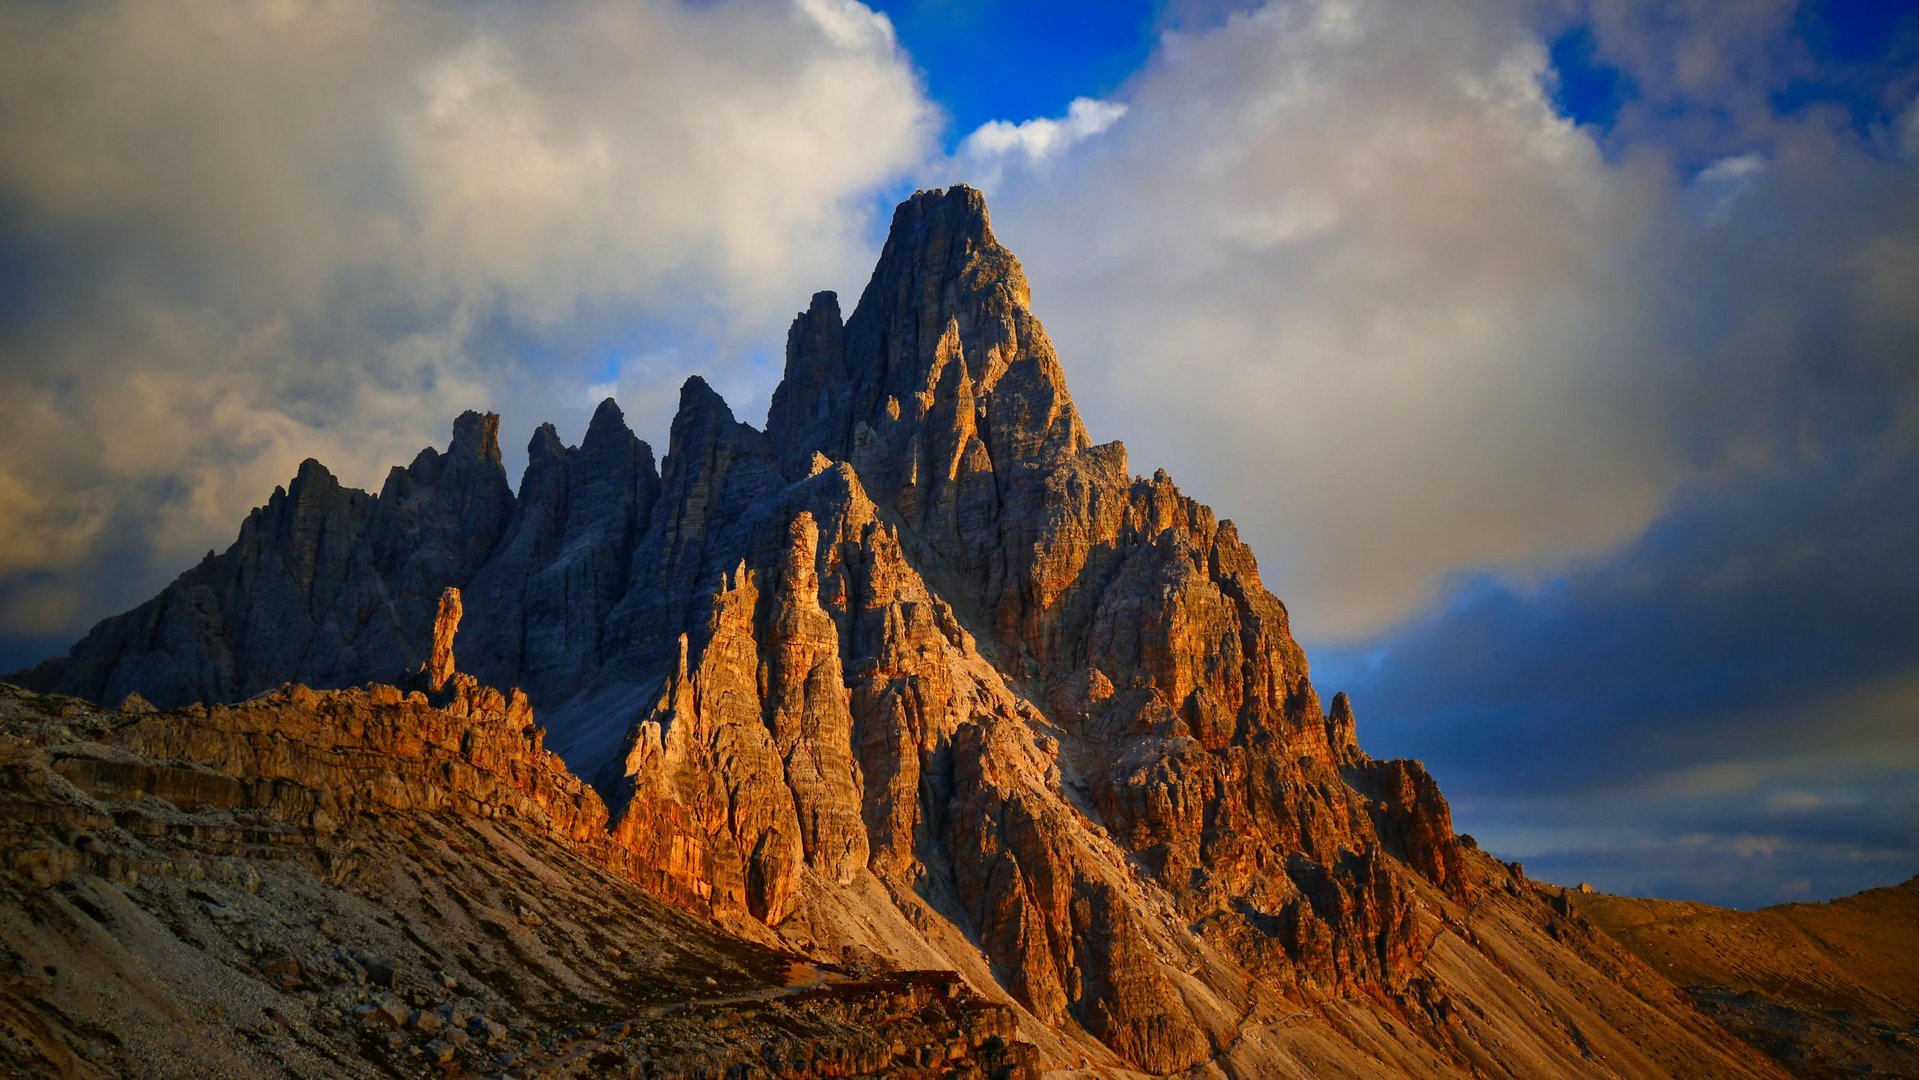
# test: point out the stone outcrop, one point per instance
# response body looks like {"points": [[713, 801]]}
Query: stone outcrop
{"points": [[918, 670], [439, 658]]}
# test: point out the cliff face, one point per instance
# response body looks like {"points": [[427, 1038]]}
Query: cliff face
{"points": [[921, 671]]}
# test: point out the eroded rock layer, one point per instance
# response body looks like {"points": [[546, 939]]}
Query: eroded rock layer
{"points": [[362, 882], [921, 671]]}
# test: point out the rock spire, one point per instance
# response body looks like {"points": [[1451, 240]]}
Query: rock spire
{"points": [[439, 662]]}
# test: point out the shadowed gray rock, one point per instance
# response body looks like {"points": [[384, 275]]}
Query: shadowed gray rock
{"points": [[542, 598]]}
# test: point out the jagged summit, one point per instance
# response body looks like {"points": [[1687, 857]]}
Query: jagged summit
{"points": [[476, 434], [942, 342], [545, 445], [607, 422], [921, 671]]}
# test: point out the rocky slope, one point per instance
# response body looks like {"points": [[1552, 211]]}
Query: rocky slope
{"points": [[1828, 989], [354, 883], [920, 670]]}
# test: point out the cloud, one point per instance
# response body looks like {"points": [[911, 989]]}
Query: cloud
{"points": [[239, 235], [1720, 61], [1744, 669], [1345, 270], [1038, 139], [851, 24], [1909, 131], [1724, 79], [1349, 274], [1582, 457], [1724, 180]]}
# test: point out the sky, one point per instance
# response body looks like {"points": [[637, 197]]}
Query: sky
{"points": [[1559, 358]]}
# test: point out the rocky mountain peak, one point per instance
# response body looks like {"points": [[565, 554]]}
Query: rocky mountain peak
{"points": [[544, 446], [701, 410], [310, 496], [942, 341], [823, 310], [949, 232], [476, 435], [918, 670], [812, 404], [706, 442], [311, 472], [608, 423]]}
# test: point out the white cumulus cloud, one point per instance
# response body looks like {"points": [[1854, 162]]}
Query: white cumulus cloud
{"points": [[258, 232], [1040, 138], [1351, 276]]}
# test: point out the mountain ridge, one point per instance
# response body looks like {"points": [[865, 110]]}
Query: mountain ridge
{"points": [[921, 670]]}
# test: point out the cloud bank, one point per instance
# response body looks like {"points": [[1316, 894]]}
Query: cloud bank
{"points": [[1725, 710], [238, 235], [1351, 271], [1582, 453], [1419, 288]]}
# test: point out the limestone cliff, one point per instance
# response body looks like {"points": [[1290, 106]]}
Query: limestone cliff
{"points": [[922, 672]]}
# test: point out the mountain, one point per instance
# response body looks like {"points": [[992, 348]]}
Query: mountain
{"points": [[920, 673], [1828, 989]]}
